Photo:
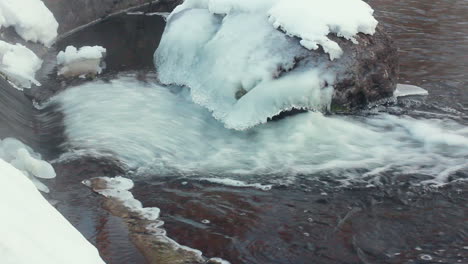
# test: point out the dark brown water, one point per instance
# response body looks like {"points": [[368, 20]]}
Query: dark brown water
{"points": [[310, 222]]}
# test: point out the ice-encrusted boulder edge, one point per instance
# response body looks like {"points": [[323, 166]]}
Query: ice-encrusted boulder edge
{"points": [[249, 61], [366, 72]]}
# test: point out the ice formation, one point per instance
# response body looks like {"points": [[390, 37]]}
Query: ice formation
{"points": [[166, 134], [27, 161], [118, 188], [313, 20], [33, 231], [31, 19], [237, 183], [407, 90], [83, 61], [19, 64], [239, 66]]}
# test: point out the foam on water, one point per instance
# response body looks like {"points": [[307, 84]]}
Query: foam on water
{"points": [[158, 130]]}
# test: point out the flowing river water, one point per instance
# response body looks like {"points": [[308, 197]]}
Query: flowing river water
{"points": [[349, 190]]}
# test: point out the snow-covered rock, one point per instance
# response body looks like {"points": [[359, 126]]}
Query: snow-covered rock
{"points": [[83, 61], [32, 230], [31, 19], [243, 60], [19, 64]]}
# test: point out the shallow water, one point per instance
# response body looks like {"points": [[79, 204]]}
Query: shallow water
{"points": [[308, 217]]}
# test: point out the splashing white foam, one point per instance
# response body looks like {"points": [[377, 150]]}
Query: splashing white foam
{"points": [[158, 130]]}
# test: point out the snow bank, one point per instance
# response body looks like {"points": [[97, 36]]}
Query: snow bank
{"points": [[27, 161], [32, 230], [31, 19], [19, 64], [239, 66], [76, 62]]}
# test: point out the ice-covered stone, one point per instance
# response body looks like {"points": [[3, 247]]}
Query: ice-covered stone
{"points": [[86, 60]]}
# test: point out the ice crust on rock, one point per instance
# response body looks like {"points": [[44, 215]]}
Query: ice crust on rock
{"points": [[245, 71], [82, 61], [27, 161], [19, 64], [118, 188], [31, 19], [33, 231]]}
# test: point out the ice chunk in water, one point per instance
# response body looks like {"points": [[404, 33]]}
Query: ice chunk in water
{"points": [[407, 90], [83, 61]]}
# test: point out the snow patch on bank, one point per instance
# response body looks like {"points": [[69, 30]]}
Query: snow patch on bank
{"points": [[82, 61], [31, 19], [27, 161], [33, 231], [19, 64]]}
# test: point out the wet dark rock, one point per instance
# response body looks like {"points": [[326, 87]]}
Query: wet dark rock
{"points": [[367, 72], [72, 14]]}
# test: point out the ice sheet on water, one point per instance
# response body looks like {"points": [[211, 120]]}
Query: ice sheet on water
{"points": [[19, 64], [165, 134], [33, 231], [31, 19], [407, 90]]}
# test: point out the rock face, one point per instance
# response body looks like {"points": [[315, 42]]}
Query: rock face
{"points": [[367, 72], [72, 14]]}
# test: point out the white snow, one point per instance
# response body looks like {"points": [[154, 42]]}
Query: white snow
{"points": [[310, 20], [407, 90], [82, 61], [27, 161], [32, 231], [313, 20], [31, 19], [19, 64], [118, 188]]}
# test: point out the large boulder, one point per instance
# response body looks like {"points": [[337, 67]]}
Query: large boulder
{"points": [[367, 72]]}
